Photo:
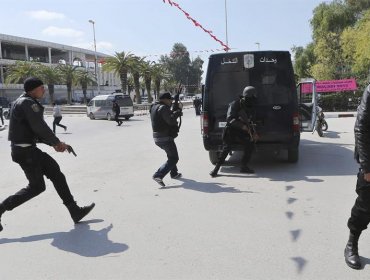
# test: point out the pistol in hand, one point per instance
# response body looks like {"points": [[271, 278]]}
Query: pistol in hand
{"points": [[70, 150]]}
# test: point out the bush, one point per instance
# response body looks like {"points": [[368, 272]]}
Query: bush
{"points": [[342, 101]]}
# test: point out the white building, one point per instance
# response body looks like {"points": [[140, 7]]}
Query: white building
{"points": [[14, 49]]}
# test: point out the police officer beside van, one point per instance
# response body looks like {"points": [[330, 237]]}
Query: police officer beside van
{"points": [[239, 129], [26, 128]]}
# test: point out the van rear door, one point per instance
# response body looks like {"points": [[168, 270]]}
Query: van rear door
{"points": [[307, 98]]}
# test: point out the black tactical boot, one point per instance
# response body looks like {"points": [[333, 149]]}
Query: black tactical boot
{"points": [[246, 169], [77, 213], [2, 210], [351, 251]]}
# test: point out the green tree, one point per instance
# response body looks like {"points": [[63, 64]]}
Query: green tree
{"points": [[85, 78], [177, 63], [68, 77], [50, 76], [136, 67], [147, 72], [159, 74], [120, 64], [20, 71], [195, 75], [328, 22], [355, 44], [304, 58]]}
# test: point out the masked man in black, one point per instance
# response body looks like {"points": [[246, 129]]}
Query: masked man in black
{"points": [[360, 214], [26, 127], [117, 110], [239, 129], [165, 130]]}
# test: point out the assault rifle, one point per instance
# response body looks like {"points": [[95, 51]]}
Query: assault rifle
{"points": [[176, 104], [251, 126]]}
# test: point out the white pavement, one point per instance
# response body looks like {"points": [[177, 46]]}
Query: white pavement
{"points": [[288, 221]]}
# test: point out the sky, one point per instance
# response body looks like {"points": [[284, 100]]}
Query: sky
{"points": [[151, 27]]}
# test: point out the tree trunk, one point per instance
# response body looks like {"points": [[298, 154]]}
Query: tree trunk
{"points": [[148, 82], [51, 93], [69, 93], [137, 88], [123, 78]]}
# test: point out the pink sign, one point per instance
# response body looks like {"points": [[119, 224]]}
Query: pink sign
{"points": [[331, 86]]}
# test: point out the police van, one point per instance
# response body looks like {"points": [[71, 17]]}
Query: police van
{"points": [[100, 107], [277, 106]]}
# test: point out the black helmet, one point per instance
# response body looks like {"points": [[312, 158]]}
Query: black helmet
{"points": [[249, 92]]}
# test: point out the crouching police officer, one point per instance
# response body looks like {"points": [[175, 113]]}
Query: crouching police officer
{"points": [[239, 129], [165, 130], [26, 127]]}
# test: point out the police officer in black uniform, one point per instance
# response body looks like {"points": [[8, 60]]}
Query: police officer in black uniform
{"points": [[117, 110], [165, 130], [238, 129], [26, 127], [360, 214]]}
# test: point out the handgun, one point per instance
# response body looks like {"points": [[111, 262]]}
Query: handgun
{"points": [[70, 150]]}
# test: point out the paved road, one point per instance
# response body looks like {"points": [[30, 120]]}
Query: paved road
{"points": [[288, 221]]}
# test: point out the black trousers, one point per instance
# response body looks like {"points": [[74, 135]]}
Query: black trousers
{"points": [[56, 122], [360, 214], [35, 164], [2, 118], [116, 117], [226, 149]]}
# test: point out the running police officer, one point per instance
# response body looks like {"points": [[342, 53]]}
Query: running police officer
{"points": [[165, 129], [360, 214], [239, 129], [26, 127]]}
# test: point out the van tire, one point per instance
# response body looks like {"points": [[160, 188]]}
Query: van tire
{"points": [[91, 116], [109, 117], [213, 156], [127, 118], [293, 155]]}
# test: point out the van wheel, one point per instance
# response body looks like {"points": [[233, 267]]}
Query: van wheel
{"points": [[127, 118], [109, 117], [91, 116], [293, 155], [213, 156]]}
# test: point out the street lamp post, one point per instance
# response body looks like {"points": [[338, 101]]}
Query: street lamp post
{"points": [[258, 45], [96, 57]]}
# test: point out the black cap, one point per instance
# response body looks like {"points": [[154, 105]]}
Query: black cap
{"points": [[32, 83], [165, 95]]}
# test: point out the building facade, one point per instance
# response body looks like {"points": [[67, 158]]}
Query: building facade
{"points": [[13, 49]]}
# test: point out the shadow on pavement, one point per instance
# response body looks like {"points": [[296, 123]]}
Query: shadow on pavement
{"points": [[315, 159], [81, 240], [206, 187]]}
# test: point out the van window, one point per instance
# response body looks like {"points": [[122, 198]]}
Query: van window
{"points": [[124, 101]]}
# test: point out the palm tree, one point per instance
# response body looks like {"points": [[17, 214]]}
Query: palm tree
{"points": [[120, 64], [50, 76], [147, 71], [136, 70], [68, 74], [85, 78], [159, 73], [20, 71]]}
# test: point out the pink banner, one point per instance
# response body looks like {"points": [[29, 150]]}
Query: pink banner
{"points": [[331, 86]]}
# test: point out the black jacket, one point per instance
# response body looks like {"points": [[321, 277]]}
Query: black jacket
{"points": [[238, 115], [164, 121], [362, 132], [27, 124]]}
